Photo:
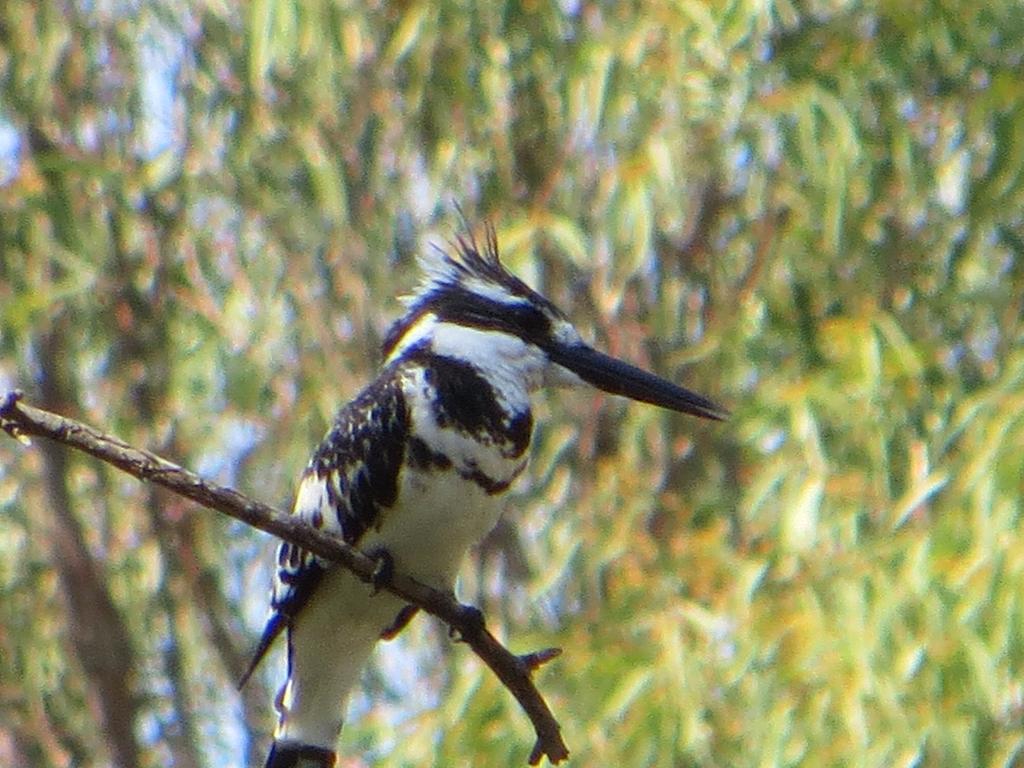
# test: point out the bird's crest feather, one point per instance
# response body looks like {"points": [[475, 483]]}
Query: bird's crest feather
{"points": [[465, 263], [466, 268]]}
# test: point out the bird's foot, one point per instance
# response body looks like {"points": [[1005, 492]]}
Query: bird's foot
{"points": [[401, 620], [383, 570], [471, 623]]}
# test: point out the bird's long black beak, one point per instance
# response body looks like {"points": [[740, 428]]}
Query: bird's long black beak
{"points": [[620, 378]]}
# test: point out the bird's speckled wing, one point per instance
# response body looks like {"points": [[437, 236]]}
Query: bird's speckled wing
{"points": [[352, 477]]}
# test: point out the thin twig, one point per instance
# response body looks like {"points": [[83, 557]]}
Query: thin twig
{"points": [[515, 672]]}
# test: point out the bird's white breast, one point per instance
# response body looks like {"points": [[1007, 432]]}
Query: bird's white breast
{"points": [[440, 512], [437, 518]]}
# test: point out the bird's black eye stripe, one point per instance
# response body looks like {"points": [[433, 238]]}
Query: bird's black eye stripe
{"points": [[533, 324], [467, 309], [530, 320]]}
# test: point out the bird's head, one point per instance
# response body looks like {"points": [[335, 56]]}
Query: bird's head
{"points": [[469, 307]]}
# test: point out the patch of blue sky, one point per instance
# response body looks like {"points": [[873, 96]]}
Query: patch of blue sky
{"points": [[161, 54], [10, 152]]}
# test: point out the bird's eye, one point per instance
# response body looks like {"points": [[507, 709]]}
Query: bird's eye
{"points": [[533, 323]]}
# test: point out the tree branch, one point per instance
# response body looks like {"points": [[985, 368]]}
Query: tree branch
{"points": [[515, 672]]}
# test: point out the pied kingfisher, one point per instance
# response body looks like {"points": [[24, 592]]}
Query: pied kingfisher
{"points": [[413, 468]]}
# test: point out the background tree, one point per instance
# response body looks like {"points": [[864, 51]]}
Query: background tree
{"points": [[812, 211]]}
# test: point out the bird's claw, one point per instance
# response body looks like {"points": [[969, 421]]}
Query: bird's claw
{"points": [[383, 570], [471, 623]]}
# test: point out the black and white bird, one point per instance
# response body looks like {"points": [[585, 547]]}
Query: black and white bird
{"points": [[415, 466]]}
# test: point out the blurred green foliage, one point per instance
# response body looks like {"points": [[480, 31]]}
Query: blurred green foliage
{"points": [[810, 211]]}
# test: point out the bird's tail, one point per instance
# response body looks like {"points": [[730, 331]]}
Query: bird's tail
{"points": [[289, 754], [328, 646]]}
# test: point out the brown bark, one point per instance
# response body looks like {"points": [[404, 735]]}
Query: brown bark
{"points": [[96, 631]]}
